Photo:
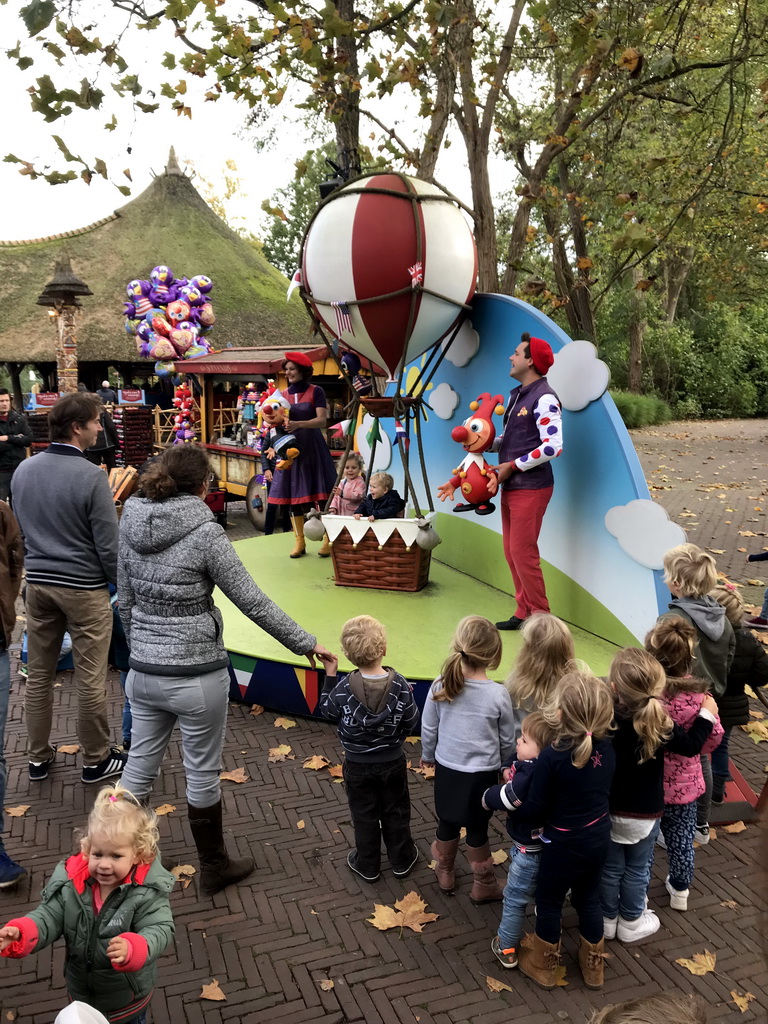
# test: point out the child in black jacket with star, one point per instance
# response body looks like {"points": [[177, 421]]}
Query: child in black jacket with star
{"points": [[375, 711], [382, 502]]}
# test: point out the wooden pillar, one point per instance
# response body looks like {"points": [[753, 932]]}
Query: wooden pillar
{"points": [[14, 372], [66, 350]]}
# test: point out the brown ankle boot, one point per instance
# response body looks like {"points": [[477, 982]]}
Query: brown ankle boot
{"points": [[444, 852], [299, 547], [485, 887], [592, 957], [539, 960], [325, 548]]}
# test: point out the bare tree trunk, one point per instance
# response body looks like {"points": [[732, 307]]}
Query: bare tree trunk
{"points": [[637, 325], [676, 276], [562, 269], [441, 111], [14, 372], [347, 118], [581, 296]]}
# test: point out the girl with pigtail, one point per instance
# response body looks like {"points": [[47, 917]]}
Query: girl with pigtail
{"points": [[569, 793], [644, 734], [467, 732], [110, 903]]}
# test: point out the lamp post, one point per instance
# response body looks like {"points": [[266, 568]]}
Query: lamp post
{"points": [[61, 296]]}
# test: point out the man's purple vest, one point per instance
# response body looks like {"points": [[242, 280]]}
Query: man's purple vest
{"points": [[521, 436]]}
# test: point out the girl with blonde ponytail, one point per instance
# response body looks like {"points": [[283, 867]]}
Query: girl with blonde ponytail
{"points": [[569, 792], [644, 731], [467, 732]]}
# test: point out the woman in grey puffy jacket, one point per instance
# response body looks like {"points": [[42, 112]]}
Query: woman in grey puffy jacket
{"points": [[172, 555]]}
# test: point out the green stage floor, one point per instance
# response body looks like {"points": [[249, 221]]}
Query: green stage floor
{"points": [[419, 625]]}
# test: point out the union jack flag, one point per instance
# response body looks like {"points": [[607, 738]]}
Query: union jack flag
{"points": [[343, 319]]}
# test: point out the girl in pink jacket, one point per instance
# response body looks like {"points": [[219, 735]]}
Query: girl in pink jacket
{"points": [[351, 490], [671, 642]]}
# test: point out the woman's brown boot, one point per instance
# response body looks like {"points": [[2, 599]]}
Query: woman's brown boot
{"points": [[444, 851], [592, 962], [325, 548], [539, 960], [485, 887], [300, 546]]}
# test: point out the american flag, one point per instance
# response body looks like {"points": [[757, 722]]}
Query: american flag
{"points": [[343, 319]]}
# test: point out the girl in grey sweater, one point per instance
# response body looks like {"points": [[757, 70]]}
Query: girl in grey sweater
{"points": [[467, 732]]}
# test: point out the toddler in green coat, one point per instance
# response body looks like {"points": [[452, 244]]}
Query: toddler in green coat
{"points": [[110, 902]]}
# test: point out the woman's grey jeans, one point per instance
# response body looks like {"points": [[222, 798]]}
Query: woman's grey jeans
{"points": [[199, 704]]}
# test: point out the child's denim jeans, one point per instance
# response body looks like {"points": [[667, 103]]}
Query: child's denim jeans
{"points": [[518, 893]]}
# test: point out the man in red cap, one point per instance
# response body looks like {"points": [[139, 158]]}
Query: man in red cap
{"points": [[532, 437]]}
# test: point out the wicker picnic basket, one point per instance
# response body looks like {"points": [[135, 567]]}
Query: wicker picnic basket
{"points": [[391, 566]]}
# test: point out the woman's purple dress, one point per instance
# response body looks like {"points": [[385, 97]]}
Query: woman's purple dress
{"points": [[311, 478]]}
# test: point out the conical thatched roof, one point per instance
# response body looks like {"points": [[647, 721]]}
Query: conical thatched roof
{"points": [[169, 223]]}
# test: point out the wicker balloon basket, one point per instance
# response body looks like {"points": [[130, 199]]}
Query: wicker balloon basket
{"points": [[388, 566]]}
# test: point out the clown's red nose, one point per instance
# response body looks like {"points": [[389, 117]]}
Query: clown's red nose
{"points": [[460, 434]]}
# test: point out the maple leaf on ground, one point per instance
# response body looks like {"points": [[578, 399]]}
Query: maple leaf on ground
{"points": [[316, 762], [757, 731], [750, 692], [184, 873], [238, 775], [735, 828], [284, 723], [256, 709], [326, 984], [70, 748], [499, 856], [280, 754], [336, 771], [412, 739], [408, 912], [560, 976], [702, 963], [742, 1001], [756, 714], [494, 985], [212, 991], [17, 812], [165, 809]]}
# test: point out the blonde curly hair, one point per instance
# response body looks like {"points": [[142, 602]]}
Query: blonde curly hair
{"points": [[118, 815]]}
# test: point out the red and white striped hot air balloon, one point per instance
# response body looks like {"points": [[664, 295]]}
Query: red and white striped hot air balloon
{"points": [[388, 263]]}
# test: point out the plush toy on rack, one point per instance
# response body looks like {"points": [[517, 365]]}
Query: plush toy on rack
{"points": [[351, 363], [248, 402], [169, 316], [476, 434], [185, 416], [283, 445]]}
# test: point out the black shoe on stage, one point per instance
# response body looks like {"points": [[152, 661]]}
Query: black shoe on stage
{"points": [[513, 623], [485, 509], [464, 508]]}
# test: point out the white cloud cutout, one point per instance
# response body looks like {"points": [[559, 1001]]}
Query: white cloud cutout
{"points": [[464, 346], [644, 531], [578, 376], [443, 400], [383, 458]]}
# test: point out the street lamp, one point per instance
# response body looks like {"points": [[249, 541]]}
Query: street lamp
{"points": [[61, 296]]}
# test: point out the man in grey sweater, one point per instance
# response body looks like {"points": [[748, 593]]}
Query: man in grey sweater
{"points": [[69, 525]]}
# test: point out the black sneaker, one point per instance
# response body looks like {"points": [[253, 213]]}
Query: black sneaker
{"points": [[38, 770], [113, 764], [352, 865], [513, 623], [404, 872]]}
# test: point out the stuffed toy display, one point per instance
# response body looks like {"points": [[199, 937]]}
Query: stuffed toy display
{"points": [[185, 416], [248, 402], [476, 434], [351, 363], [283, 445]]}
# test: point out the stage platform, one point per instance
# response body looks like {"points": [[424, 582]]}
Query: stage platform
{"points": [[420, 625]]}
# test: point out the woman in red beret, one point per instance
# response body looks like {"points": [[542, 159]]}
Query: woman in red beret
{"points": [[310, 479]]}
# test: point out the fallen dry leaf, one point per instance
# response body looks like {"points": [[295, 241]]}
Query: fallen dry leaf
{"points": [[313, 912], [750, 692], [300, 824], [495, 985], [428, 772], [408, 912], [702, 963], [326, 984], [731, 904], [238, 775], [336, 771], [717, 551], [560, 976], [165, 809], [17, 812], [316, 762], [70, 748], [756, 583], [499, 856], [256, 709], [742, 550], [280, 753], [184, 873], [11, 1015], [433, 863], [412, 739], [284, 723], [735, 828], [757, 731], [747, 533], [756, 714], [742, 1001], [212, 991]]}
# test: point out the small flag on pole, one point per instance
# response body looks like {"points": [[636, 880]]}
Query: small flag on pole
{"points": [[374, 434], [342, 429], [343, 319], [295, 283], [400, 435], [417, 274]]}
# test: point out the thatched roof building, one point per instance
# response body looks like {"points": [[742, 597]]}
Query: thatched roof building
{"points": [[169, 223]]}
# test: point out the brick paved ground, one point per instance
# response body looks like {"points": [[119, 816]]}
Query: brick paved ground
{"points": [[301, 918]]}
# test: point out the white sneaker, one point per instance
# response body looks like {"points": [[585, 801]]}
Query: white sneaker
{"points": [[609, 927], [701, 835], [636, 931], [678, 898]]}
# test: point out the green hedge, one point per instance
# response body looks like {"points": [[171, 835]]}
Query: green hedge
{"points": [[640, 410]]}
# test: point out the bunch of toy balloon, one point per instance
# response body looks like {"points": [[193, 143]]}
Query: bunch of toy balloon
{"points": [[169, 317], [185, 415]]}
